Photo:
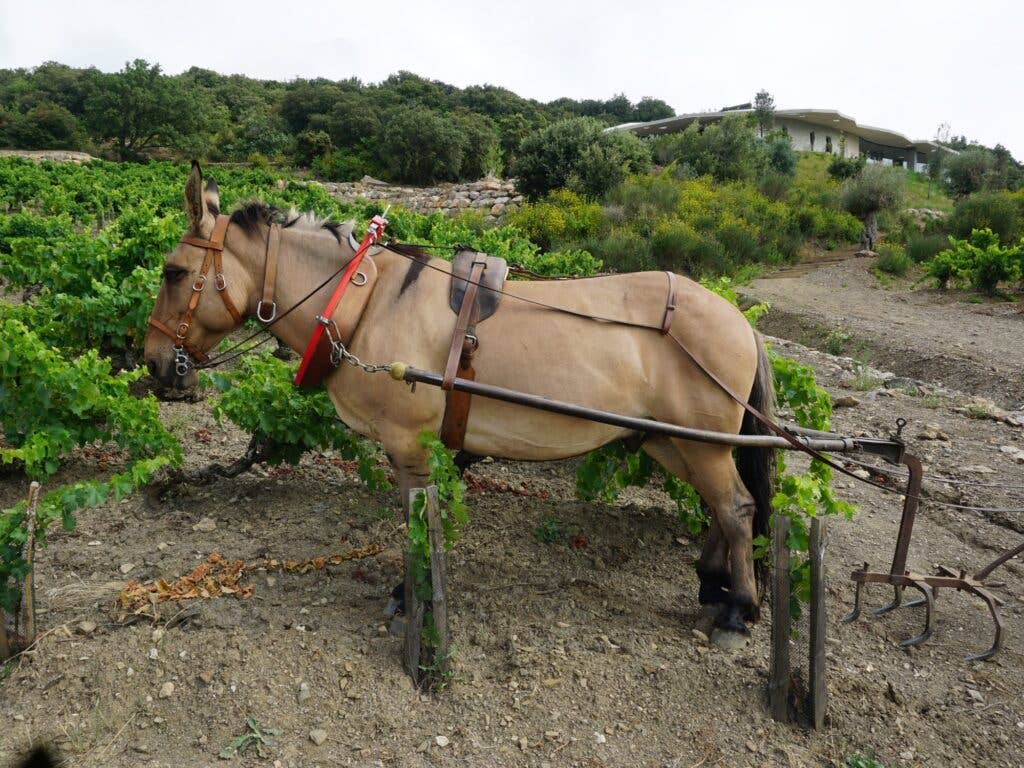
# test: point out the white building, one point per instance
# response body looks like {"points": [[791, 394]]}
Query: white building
{"points": [[816, 130]]}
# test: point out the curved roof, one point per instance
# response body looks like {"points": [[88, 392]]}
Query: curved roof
{"points": [[827, 118]]}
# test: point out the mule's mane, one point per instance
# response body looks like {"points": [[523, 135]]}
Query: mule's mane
{"points": [[255, 214]]}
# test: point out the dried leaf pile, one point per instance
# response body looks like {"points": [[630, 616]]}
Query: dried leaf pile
{"points": [[219, 577]]}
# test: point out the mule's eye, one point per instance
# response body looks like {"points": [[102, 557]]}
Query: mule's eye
{"points": [[172, 274]]}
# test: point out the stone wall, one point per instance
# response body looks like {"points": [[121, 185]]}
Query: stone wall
{"points": [[54, 155], [494, 197]]}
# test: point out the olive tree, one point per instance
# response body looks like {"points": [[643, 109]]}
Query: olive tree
{"points": [[876, 188]]}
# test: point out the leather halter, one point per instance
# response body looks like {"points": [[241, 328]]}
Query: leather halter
{"points": [[183, 348]]}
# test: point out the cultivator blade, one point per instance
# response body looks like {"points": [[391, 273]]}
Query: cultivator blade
{"points": [[928, 601]]}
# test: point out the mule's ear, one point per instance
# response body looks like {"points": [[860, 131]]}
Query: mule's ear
{"points": [[211, 195], [41, 757], [194, 203]]}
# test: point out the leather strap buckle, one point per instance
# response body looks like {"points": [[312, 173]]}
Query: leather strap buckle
{"points": [[219, 281], [182, 331], [198, 283]]}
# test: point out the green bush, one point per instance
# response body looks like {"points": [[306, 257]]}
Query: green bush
{"points": [[876, 188], [967, 172], [921, 247], [622, 250], [893, 260], [340, 165], [562, 215], [980, 260], [309, 145], [577, 151], [421, 146], [842, 168], [1000, 212]]}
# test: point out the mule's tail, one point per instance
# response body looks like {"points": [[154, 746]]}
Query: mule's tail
{"points": [[757, 465]]}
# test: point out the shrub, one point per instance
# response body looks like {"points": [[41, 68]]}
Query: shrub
{"points": [[842, 168], [1000, 212], [309, 145], [780, 155], [966, 172], [979, 260], [562, 215], [339, 165], [921, 248], [577, 149], [774, 185], [893, 260], [421, 146], [876, 188], [726, 151], [622, 250]]}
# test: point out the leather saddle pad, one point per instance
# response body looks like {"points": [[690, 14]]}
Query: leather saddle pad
{"points": [[493, 278]]}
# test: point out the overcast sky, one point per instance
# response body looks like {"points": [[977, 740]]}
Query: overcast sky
{"points": [[906, 66]]}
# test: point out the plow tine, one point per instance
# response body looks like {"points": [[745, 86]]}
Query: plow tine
{"points": [[928, 603], [858, 596], [990, 601], [897, 601]]}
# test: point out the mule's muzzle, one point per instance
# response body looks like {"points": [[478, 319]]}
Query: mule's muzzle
{"points": [[171, 374]]}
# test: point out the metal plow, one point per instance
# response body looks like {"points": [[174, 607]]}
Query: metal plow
{"points": [[947, 578]]}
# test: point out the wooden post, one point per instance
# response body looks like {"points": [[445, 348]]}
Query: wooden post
{"points": [[819, 691], [439, 583], [5, 646], [29, 596], [779, 681], [414, 610]]}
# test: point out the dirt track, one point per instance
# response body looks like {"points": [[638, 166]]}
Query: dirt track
{"points": [[566, 656]]}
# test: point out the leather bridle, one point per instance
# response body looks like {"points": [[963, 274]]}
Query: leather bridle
{"points": [[185, 352]]}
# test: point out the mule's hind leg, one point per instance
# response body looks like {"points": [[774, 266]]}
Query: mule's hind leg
{"points": [[711, 471]]}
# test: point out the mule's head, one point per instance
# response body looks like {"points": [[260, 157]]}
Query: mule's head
{"points": [[170, 350]]}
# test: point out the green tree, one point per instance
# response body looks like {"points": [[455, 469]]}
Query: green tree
{"points": [[876, 188], [764, 109], [577, 149], [139, 108], [728, 150], [649, 108], [422, 146], [968, 171]]}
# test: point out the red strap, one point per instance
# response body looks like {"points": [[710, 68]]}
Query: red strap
{"points": [[373, 234]]}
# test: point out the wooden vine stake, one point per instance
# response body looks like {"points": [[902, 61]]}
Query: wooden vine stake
{"points": [[427, 665], [819, 691], [779, 679], [28, 598]]}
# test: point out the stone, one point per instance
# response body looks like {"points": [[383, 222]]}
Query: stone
{"points": [[847, 401], [975, 695], [318, 736], [441, 741], [304, 692], [699, 636], [600, 738], [86, 627], [127, 568], [205, 525], [863, 474], [497, 209], [166, 690]]}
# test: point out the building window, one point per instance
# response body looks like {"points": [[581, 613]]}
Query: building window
{"points": [[812, 141], [828, 144]]}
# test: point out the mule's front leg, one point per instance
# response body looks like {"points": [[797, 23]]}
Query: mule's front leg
{"points": [[713, 572]]}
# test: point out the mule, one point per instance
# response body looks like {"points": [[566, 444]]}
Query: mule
{"points": [[629, 370]]}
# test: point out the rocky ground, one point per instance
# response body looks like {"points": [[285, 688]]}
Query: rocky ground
{"points": [[579, 652]]}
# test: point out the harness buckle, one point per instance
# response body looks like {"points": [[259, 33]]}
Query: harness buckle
{"points": [[198, 283], [259, 312], [182, 362], [182, 331], [219, 281], [358, 283]]}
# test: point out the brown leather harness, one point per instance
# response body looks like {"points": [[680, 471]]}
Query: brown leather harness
{"points": [[185, 352]]}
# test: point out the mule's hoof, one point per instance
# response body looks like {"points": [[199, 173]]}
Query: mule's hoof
{"points": [[397, 627], [730, 641]]}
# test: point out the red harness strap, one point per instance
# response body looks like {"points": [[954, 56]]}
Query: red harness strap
{"points": [[326, 330]]}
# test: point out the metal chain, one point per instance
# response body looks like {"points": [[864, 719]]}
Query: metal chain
{"points": [[340, 353]]}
